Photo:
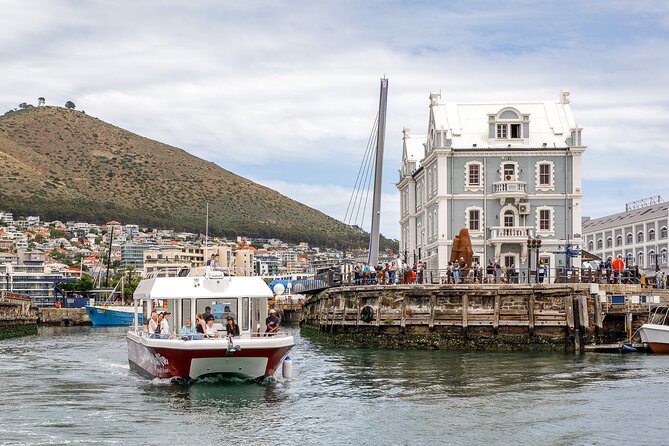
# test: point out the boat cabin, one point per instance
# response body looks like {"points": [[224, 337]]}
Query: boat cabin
{"points": [[185, 296]]}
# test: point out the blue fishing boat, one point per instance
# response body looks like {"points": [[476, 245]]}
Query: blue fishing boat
{"points": [[110, 315]]}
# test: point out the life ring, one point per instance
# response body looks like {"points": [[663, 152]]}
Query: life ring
{"points": [[367, 314], [57, 304]]}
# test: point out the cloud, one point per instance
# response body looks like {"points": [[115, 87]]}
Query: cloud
{"points": [[290, 90]]}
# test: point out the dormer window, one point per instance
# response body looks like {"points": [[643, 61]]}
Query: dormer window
{"points": [[508, 124]]}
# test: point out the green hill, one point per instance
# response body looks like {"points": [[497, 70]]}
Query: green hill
{"points": [[63, 164]]}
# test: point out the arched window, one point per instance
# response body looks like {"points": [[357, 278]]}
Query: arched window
{"points": [[639, 237], [609, 242], [630, 238], [663, 257], [651, 258], [651, 235], [619, 240], [599, 243], [591, 245], [509, 219], [639, 257], [663, 232], [630, 259]]}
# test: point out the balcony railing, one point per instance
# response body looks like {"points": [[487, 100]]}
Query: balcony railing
{"points": [[511, 233], [511, 187]]}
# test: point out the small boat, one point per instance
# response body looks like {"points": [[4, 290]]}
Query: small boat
{"points": [[655, 332], [111, 315], [251, 355]]}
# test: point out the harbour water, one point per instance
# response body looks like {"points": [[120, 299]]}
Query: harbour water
{"points": [[73, 386]]}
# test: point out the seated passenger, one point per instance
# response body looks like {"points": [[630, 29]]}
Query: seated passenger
{"points": [[187, 328], [272, 323], [199, 323], [153, 323], [210, 331], [231, 328]]}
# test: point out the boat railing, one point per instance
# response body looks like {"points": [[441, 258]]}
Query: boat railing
{"points": [[200, 271], [659, 315], [143, 333]]}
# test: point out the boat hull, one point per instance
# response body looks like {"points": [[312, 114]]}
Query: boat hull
{"points": [[190, 359], [110, 316], [656, 336]]}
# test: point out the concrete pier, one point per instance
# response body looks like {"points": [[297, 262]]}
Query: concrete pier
{"points": [[513, 317]]}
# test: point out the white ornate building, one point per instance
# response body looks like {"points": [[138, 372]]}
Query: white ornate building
{"points": [[507, 171]]}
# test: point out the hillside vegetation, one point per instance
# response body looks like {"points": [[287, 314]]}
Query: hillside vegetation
{"points": [[63, 164]]}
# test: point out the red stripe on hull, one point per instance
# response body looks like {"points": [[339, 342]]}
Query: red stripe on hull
{"points": [[172, 363], [659, 347]]}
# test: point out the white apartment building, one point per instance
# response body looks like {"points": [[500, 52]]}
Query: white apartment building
{"points": [[638, 235]]}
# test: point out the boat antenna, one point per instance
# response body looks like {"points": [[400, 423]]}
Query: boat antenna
{"points": [[206, 234], [111, 239]]}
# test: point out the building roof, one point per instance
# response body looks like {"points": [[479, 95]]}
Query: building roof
{"points": [[654, 212], [467, 123]]}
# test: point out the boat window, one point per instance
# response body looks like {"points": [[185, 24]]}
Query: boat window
{"points": [[220, 308], [186, 310], [245, 313]]}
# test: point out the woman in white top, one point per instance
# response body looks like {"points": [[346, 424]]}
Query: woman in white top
{"points": [[210, 331], [153, 323]]}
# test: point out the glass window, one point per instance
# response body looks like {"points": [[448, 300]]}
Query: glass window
{"points": [[544, 220], [663, 232], [474, 220], [599, 244], [509, 219], [591, 245], [474, 174], [245, 313], [619, 240], [509, 171], [640, 259], [651, 258], [651, 235], [629, 238], [609, 242], [639, 237], [544, 174], [501, 131], [515, 131]]}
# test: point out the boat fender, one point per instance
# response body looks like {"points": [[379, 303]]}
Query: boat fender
{"points": [[287, 369], [367, 314]]}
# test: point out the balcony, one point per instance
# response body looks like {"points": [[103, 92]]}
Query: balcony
{"points": [[511, 234], [510, 188]]}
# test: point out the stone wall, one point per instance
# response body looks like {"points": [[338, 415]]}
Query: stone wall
{"points": [[17, 318], [63, 316]]}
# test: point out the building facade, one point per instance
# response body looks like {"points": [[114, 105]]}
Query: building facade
{"points": [[506, 171], [639, 236]]}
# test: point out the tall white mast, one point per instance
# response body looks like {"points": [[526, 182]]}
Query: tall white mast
{"points": [[378, 174]]}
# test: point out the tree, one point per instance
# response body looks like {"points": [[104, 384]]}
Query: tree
{"points": [[70, 105]]}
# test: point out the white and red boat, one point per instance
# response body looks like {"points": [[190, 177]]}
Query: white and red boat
{"points": [[252, 355], [655, 333]]}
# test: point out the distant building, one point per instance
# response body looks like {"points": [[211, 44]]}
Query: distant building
{"points": [[27, 274], [132, 254], [507, 171], [266, 264], [172, 257], [639, 236]]}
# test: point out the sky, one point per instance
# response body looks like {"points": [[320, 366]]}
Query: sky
{"points": [[286, 93]]}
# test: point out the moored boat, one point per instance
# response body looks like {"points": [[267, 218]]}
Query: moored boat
{"points": [[251, 355], [655, 332], [111, 315]]}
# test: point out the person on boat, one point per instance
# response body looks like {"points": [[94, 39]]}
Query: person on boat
{"points": [[187, 328], [231, 328], [211, 260], [210, 331], [199, 323], [153, 323], [207, 312], [165, 323], [272, 323], [159, 322]]}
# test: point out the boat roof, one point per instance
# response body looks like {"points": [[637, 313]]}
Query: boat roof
{"points": [[201, 287]]}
